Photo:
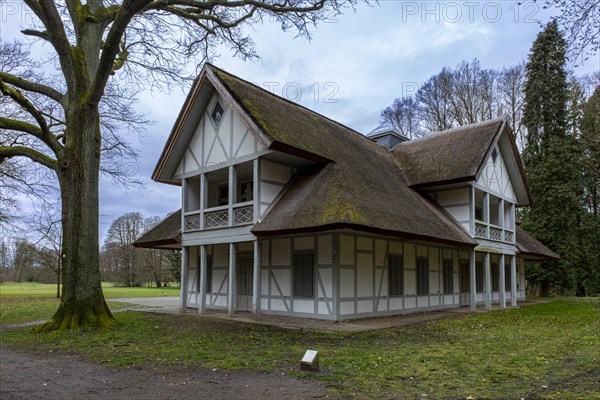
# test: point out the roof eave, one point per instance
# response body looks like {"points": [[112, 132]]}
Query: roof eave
{"points": [[176, 130], [427, 185], [363, 228]]}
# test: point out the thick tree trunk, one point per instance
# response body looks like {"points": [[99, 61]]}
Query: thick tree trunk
{"points": [[82, 303]]}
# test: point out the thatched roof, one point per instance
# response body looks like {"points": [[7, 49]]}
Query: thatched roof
{"points": [[362, 188], [354, 183], [454, 155], [532, 249], [459, 155], [166, 234]]}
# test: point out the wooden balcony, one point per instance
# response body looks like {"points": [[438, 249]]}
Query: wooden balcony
{"points": [[495, 233], [218, 217]]}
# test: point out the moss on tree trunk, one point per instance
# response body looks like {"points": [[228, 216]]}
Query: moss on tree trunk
{"points": [[82, 303]]}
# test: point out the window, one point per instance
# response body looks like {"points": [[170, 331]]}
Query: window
{"points": [[304, 275], [494, 156], [422, 276], [448, 276], [209, 273], [478, 213], [507, 277], [465, 272], [495, 278], [217, 114], [222, 195], [246, 191], [479, 277], [396, 275]]}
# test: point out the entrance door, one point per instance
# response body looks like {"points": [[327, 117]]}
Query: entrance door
{"points": [[244, 268], [465, 274]]}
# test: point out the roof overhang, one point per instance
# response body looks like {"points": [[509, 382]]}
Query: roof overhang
{"points": [[365, 229], [506, 142]]}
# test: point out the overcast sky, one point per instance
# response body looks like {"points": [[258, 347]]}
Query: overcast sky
{"points": [[353, 68]]}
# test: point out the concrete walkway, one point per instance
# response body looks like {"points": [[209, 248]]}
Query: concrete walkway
{"points": [[171, 305], [160, 302]]}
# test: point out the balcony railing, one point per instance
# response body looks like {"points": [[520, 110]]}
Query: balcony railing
{"points": [[218, 217], [492, 232]]}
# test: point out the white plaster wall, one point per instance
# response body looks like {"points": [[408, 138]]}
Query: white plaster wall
{"points": [[494, 177], [346, 282], [304, 306], [281, 252], [209, 146], [326, 278], [325, 249], [365, 274]]}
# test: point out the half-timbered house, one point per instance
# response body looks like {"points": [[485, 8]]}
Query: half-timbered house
{"points": [[285, 211]]}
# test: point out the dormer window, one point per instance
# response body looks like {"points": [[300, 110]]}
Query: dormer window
{"points": [[217, 114]]}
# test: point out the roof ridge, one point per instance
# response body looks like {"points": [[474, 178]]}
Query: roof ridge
{"points": [[450, 131]]}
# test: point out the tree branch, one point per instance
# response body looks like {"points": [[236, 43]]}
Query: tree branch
{"points": [[112, 46], [50, 17], [33, 155], [45, 135], [32, 32], [32, 86]]}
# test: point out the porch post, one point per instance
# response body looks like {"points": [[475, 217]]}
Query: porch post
{"points": [[202, 288], [256, 280], [488, 282], [232, 193], [184, 277], [502, 282], [231, 281], [513, 281], [472, 281], [203, 199], [256, 188]]}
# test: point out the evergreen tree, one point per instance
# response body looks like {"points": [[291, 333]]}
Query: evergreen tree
{"points": [[552, 162], [588, 274]]}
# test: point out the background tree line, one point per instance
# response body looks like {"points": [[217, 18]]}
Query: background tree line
{"points": [[131, 266], [28, 260], [555, 119]]}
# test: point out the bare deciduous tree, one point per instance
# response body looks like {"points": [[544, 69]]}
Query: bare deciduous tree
{"points": [[434, 97], [511, 81], [580, 20], [95, 44], [403, 115]]}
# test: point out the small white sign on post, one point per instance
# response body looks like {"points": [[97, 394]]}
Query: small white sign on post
{"points": [[310, 361]]}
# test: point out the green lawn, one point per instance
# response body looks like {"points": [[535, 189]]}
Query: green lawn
{"points": [[21, 302], [547, 351]]}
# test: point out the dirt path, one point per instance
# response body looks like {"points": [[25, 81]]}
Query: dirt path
{"points": [[46, 376]]}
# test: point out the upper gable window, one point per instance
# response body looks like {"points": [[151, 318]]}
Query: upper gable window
{"points": [[494, 155], [217, 114]]}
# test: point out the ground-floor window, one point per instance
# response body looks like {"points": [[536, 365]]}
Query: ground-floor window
{"points": [[304, 272], [448, 276], [479, 277], [465, 283], [422, 275], [396, 275], [507, 277], [209, 274], [495, 278]]}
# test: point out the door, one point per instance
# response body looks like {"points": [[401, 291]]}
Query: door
{"points": [[245, 269], [465, 275]]}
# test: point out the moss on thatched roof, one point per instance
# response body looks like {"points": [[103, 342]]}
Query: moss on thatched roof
{"points": [[361, 189], [530, 248], [449, 156]]}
